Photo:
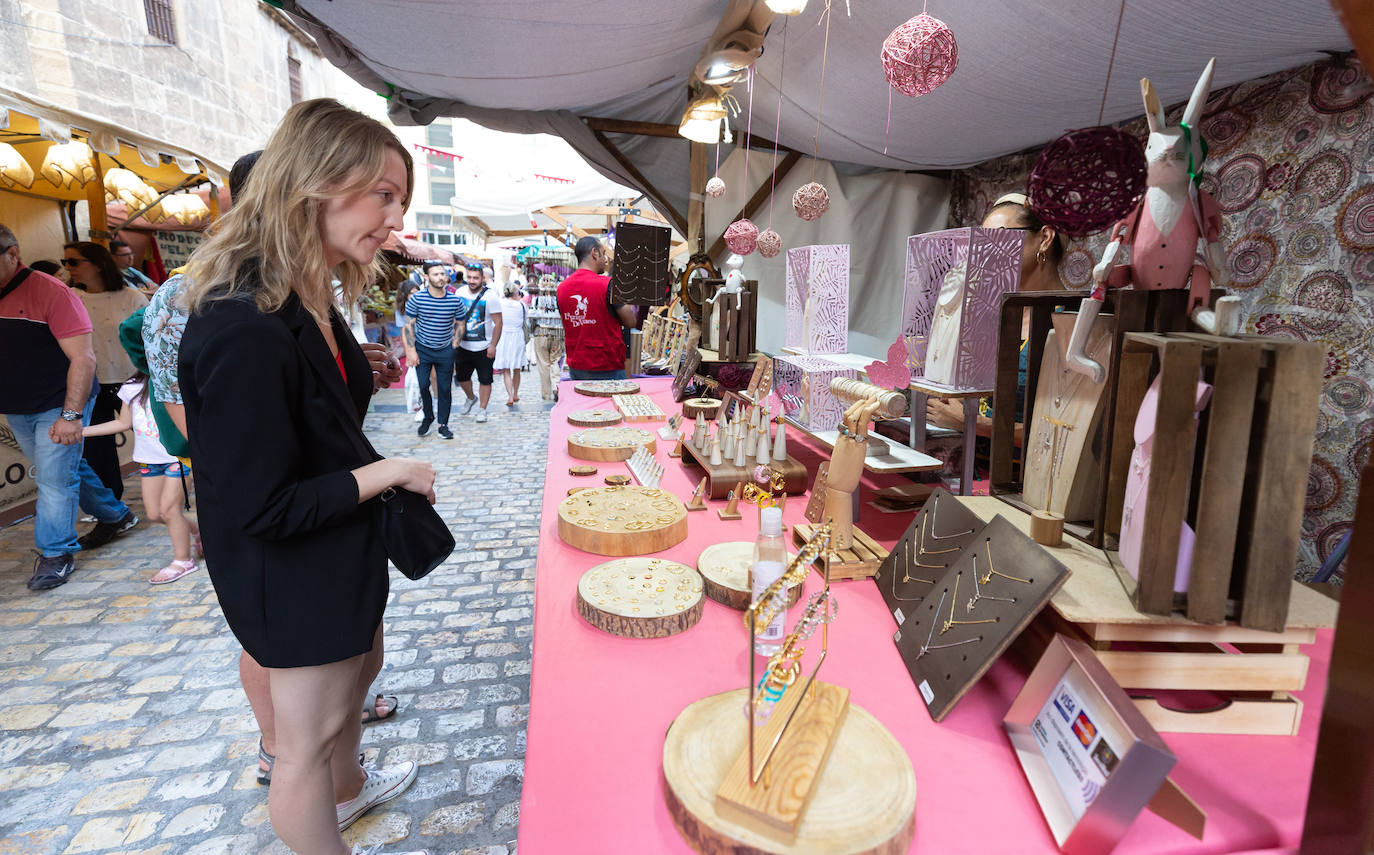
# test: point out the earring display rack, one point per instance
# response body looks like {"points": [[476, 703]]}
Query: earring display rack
{"points": [[620, 521], [594, 418], [638, 408], [640, 597], [974, 611], [724, 569], [935, 540], [609, 443]]}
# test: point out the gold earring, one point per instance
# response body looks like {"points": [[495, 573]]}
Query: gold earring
{"points": [[1040, 257]]}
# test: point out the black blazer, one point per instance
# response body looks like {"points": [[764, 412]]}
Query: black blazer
{"points": [[297, 563]]}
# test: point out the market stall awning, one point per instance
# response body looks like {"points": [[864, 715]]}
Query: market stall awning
{"points": [[33, 126], [1027, 71]]}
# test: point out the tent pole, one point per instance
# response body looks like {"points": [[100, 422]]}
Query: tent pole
{"points": [[696, 205], [95, 199]]}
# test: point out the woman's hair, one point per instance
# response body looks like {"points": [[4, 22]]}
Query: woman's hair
{"points": [[103, 261], [511, 291], [321, 150], [1031, 220], [46, 265]]}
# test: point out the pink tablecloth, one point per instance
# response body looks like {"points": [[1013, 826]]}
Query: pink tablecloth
{"points": [[600, 705]]}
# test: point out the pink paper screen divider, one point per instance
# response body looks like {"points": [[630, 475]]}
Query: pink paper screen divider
{"points": [[993, 259], [803, 383], [820, 275]]}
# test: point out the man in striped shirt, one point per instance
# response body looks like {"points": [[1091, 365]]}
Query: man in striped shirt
{"points": [[431, 317]]}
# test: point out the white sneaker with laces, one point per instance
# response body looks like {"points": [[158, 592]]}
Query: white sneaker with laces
{"points": [[467, 408], [381, 785], [482, 415]]}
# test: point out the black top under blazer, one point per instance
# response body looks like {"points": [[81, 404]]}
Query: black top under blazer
{"points": [[297, 563]]}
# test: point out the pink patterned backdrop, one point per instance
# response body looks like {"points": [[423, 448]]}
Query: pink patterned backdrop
{"points": [[819, 274], [1291, 163], [993, 268]]}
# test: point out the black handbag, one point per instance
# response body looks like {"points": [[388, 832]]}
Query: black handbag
{"points": [[416, 538]]}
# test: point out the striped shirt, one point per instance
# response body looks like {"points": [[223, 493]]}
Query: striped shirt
{"points": [[435, 317]]}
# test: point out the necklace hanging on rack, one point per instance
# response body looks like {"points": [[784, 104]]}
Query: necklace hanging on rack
{"points": [[921, 548], [934, 508], [992, 571], [978, 592], [927, 647], [953, 604], [906, 575]]}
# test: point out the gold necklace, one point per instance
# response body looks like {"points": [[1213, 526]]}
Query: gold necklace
{"points": [[927, 647], [978, 593], [992, 571], [906, 575], [953, 603]]}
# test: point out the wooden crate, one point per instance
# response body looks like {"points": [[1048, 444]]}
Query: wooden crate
{"points": [[860, 561], [1243, 490], [1253, 671]]}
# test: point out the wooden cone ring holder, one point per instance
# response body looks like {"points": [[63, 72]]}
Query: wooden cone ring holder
{"points": [[731, 509], [697, 502]]}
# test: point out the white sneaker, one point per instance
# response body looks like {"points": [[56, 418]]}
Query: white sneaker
{"points": [[381, 785], [482, 415], [467, 408]]}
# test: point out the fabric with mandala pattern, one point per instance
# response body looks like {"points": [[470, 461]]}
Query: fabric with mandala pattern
{"points": [[1291, 164]]}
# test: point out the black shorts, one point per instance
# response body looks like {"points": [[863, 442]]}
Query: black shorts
{"points": [[466, 361]]}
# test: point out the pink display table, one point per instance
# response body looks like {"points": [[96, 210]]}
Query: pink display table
{"points": [[600, 706]]}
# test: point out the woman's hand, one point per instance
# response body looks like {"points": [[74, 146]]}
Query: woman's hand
{"points": [[417, 476], [385, 369], [945, 413]]}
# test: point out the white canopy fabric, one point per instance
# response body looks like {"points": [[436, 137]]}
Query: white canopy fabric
{"points": [[1028, 70]]}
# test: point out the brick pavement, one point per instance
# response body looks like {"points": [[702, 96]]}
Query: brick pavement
{"points": [[123, 727]]}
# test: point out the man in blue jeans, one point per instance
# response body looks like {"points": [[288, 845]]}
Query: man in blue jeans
{"points": [[46, 394], [431, 317]]}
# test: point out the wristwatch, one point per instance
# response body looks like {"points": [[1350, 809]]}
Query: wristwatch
{"points": [[71, 415]]}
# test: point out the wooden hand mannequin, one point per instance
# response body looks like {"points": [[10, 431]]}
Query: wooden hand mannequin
{"points": [[846, 467], [1173, 234]]}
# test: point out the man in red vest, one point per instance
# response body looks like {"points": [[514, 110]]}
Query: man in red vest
{"points": [[591, 325]]}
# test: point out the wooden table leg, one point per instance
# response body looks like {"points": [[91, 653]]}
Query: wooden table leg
{"points": [[970, 440], [918, 420]]}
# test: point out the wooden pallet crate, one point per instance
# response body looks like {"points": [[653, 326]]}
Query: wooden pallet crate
{"points": [[860, 561], [1248, 675]]}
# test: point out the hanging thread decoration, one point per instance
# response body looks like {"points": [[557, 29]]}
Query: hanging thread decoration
{"points": [[920, 55], [742, 235], [811, 199], [770, 242], [1091, 177]]}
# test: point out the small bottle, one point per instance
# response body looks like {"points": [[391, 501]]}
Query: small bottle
{"points": [[770, 560]]}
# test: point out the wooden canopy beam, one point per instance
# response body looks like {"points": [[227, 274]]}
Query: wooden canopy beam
{"points": [[660, 201], [759, 196], [563, 221], [660, 129]]}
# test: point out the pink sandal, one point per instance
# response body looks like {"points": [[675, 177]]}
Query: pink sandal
{"points": [[172, 572]]}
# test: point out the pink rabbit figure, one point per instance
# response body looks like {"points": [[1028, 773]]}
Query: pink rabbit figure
{"points": [[1173, 233]]}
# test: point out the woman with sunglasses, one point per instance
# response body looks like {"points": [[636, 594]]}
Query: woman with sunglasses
{"points": [[109, 301]]}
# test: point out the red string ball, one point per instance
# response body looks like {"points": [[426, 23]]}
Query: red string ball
{"points": [[770, 243], [920, 55], [810, 201], [715, 188], [742, 236], [1087, 179]]}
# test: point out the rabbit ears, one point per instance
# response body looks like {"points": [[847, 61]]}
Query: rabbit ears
{"points": [[1192, 114]]}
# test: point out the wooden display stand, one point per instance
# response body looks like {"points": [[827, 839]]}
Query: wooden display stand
{"points": [[724, 569], [638, 408], [640, 597], [738, 315], [609, 444], [863, 801], [722, 479], [606, 388], [860, 561], [705, 407], [1253, 670], [622, 520], [594, 418]]}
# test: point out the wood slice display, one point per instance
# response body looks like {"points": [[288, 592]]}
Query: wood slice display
{"points": [[609, 443], [724, 569], [594, 418], [640, 597], [704, 407], [864, 801], [606, 388], [629, 520]]}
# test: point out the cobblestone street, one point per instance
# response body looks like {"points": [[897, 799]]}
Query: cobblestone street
{"points": [[124, 725]]}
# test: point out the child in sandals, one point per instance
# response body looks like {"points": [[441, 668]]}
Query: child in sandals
{"points": [[162, 474]]}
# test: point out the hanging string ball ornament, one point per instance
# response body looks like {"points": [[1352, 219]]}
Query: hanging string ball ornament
{"points": [[742, 236], [1087, 179], [810, 201], [715, 188], [769, 243], [919, 55]]}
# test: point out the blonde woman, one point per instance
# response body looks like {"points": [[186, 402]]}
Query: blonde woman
{"points": [[275, 389]]}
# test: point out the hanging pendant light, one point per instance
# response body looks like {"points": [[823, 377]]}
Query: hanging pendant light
{"points": [[122, 185], [14, 169], [69, 165], [185, 208]]}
